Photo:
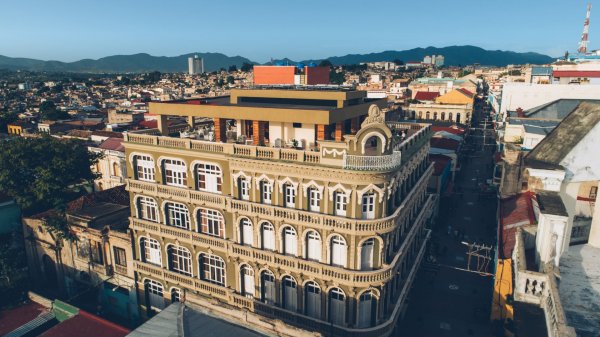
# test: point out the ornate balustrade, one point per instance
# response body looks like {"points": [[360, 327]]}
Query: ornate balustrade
{"points": [[373, 163]]}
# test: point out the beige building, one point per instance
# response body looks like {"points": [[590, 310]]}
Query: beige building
{"points": [[101, 259], [298, 211], [111, 166]]}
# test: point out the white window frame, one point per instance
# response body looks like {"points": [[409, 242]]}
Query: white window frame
{"points": [[145, 169], [178, 215], [289, 289], [211, 222], [209, 175], [152, 251], [314, 200], [246, 232], [289, 241], [175, 295], [148, 208], [155, 292], [247, 281], [367, 259], [289, 192], [312, 253], [268, 291], [340, 203], [212, 269], [268, 242], [337, 315], [175, 172], [339, 241], [368, 206], [365, 305], [244, 188], [313, 299], [266, 192], [180, 260]]}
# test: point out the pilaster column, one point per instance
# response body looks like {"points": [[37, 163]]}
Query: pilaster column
{"points": [[220, 130], [320, 132], [339, 126], [162, 125]]}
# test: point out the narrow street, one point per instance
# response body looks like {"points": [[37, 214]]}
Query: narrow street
{"points": [[447, 300]]}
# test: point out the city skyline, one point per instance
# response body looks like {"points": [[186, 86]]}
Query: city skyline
{"points": [[263, 31]]}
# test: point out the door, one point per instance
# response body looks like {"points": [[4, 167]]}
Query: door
{"points": [[248, 279], [338, 251], [290, 295], [290, 243], [338, 307], [368, 206], [313, 247], [315, 200], [365, 310], [366, 255], [268, 237], [247, 233], [268, 282], [313, 301]]}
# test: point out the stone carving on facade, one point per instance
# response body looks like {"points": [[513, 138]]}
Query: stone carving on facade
{"points": [[374, 116]]}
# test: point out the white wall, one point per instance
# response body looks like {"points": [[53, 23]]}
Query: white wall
{"points": [[286, 131], [527, 96]]}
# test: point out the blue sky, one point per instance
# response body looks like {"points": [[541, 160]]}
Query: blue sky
{"points": [[69, 30]]}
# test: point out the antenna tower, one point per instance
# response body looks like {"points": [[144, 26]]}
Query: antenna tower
{"points": [[586, 29]]}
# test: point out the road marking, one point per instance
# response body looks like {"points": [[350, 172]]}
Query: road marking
{"points": [[470, 203], [445, 326], [453, 287], [460, 258]]}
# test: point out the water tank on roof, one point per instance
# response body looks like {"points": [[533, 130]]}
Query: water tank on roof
{"points": [[279, 63], [300, 66], [312, 64]]}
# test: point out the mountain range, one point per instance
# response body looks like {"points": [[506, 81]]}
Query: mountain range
{"points": [[454, 55]]}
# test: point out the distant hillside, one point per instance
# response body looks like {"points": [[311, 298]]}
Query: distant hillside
{"points": [[125, 63], [454, 56]]}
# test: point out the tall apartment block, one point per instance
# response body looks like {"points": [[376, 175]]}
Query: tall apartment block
{"points": [[195, 65], [291, 210]]}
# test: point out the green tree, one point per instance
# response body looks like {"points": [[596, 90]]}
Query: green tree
{"points": [[232, 68], [246, 67], [48, 111], [7, 117], [325, 63], [398, 62], [230, 80], [43, 173]]}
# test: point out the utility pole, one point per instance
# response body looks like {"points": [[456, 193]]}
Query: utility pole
{"points": [[483, 254]]}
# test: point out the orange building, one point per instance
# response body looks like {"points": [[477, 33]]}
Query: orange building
{"points": [[291, 75]]}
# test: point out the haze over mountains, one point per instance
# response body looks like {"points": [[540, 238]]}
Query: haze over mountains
{"points": [[454, 55]]}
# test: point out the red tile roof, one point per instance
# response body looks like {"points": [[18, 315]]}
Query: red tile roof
{"points": [[444, 143], [451, 129], [13, 318], [439, 163], [86, 324], [426, 95], [113, 144], [576, 73], [466, 92], [153, 124], [110, 134], [514, 212]]}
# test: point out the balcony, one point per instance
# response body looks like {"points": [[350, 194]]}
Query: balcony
{"points": [[276, 213], [318, 270], [122, 270], [373, 163], [209, 291]]}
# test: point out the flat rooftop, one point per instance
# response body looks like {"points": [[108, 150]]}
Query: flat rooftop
{"points": [[579, 288]]}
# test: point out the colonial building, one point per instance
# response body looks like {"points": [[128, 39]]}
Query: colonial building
{"points": [[298, 211], [111, 166]]}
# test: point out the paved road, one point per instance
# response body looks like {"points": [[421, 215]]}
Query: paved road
{"points": [[445, 301]]}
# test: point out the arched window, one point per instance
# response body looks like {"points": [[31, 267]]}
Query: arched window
{"points": [[337, 306], [177, 215], [267, 232], [150, 250], [290, 241], [246, 232], [116, 168], [175, 172], [313, 246], [144, 168], [210, 222], [147, 208], [210, 178], [312, 293], [180, 260], [367, 249], [443, 116], [450, 116], [458, 117], [175, 295], [367, 310], [212, 269], [290, 293], [435, 115], [267, 285], [247, 281], [427, 115], [420, 114], [154, 294], [339, 253]]}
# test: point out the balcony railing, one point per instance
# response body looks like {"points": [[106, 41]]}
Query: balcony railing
{"points": [[373, 163], [540, 289], [229, 296], [120, 269], [275, 213], [292, 263]]}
